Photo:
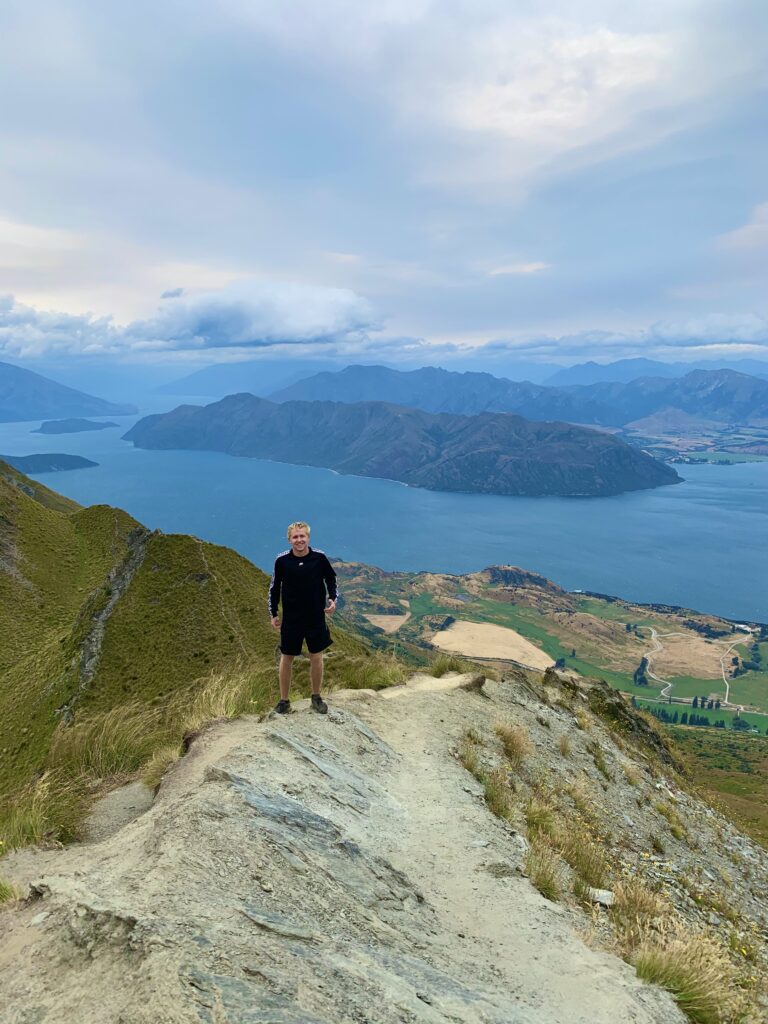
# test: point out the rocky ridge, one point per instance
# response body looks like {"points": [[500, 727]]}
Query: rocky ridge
{"points": [[348, 869]]}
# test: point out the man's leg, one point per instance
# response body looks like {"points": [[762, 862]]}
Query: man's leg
{"points": [[285, 673], [316, 671]]}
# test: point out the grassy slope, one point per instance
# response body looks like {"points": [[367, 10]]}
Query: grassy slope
{"points": [[734, 770], [191, 611]]}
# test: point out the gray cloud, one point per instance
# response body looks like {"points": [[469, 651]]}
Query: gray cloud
{"points": [[172, 293], [713, 335], [253, 314]]}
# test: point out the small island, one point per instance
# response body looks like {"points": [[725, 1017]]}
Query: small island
{"points": [[49, 462], [70, 426]]}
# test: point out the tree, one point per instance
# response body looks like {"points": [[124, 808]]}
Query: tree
{"points": [[674, 719], [717, 705], [639, 677], [710, 705], [695, 702], [573, 652], [684, 718]]}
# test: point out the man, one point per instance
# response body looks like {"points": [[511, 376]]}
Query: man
{"points": [[300, 581]]}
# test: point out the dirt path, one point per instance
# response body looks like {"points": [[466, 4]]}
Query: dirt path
{"points": [[466, 862]]}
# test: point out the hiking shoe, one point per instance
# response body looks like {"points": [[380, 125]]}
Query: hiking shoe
{"points": [[319, 705], [283, 707]]}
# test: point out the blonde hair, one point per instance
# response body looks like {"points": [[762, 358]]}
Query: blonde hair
{"points": [[298, 526]]}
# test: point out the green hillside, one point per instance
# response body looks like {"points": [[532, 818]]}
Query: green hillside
{"points": [[107, 628]]}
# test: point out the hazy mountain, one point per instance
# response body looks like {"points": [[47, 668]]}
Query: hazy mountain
{"points": [[715, 395], [626, 370], [258, 377], [488, 453], [25, 395]]}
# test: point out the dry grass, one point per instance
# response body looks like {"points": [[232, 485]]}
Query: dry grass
{"points": [[516, 742], [583, 720], [468, 753], [8, 892], [105, 745], [545, 870], [583, 800], [676, 826], [498, 795], [564, 745], [540, 816], [153, 771], [635, 911], [445, 663], [585, 857], [598, 757], [696, 971], [631, 774]]}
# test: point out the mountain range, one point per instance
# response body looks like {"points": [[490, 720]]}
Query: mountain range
{"points": [[722, 396], [25, 395], [626, 370], [488, 453]]}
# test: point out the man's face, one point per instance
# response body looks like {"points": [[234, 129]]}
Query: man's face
{"points": [[299, 540]]}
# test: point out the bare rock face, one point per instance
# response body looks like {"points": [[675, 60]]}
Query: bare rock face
{"points": [[316, 870]]}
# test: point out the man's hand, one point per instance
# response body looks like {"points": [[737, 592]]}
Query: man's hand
{"points": [[330, 608], [275, 622]]}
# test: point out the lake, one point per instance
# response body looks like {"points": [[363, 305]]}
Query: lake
{"points": [[702, 544]]}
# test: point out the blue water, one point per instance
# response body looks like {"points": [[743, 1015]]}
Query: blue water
{"points": [[702, 544]]}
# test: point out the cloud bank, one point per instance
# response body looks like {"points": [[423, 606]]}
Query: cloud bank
{"points": [[251, 314]]}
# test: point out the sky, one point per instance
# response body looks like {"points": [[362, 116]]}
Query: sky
{"points": [[407, 181]]}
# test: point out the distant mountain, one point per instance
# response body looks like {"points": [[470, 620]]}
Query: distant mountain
{"points": [[72, 426], [626, 370], [25, 395], [623, 370], [488, 453], [258, 377], [721, 396], [47, 462]]}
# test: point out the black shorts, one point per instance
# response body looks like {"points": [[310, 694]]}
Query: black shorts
{"points": [[293, 635]]}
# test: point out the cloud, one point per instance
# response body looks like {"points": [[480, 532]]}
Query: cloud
{"points": [[713, 335], [172, 293], [518, 268], [753, 235], [254, 314]]}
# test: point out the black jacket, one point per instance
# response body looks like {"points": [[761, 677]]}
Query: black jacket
{"points": [[300, 585]]}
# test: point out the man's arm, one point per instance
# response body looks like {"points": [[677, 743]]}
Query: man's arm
{"points": [[275, 590], [329, 577]]}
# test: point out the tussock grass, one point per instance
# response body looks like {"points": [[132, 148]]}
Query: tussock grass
{"points": [[583, 800], [674, 820], [106, 745], [155, 768], [695, 970], [8, 892], [598, 757], [631, 774], [635, 911], [497, 794], [543, 867], [516, 742], [583, 720], [445, 663], [49, 810], [540, 816], [587, 860], [467, 752], [564, 745]]}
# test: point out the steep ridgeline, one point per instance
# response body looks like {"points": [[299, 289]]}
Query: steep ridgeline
{"points": [[100, 617], [720, 396], [488, 453], [25, 395], [436, 852]]}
